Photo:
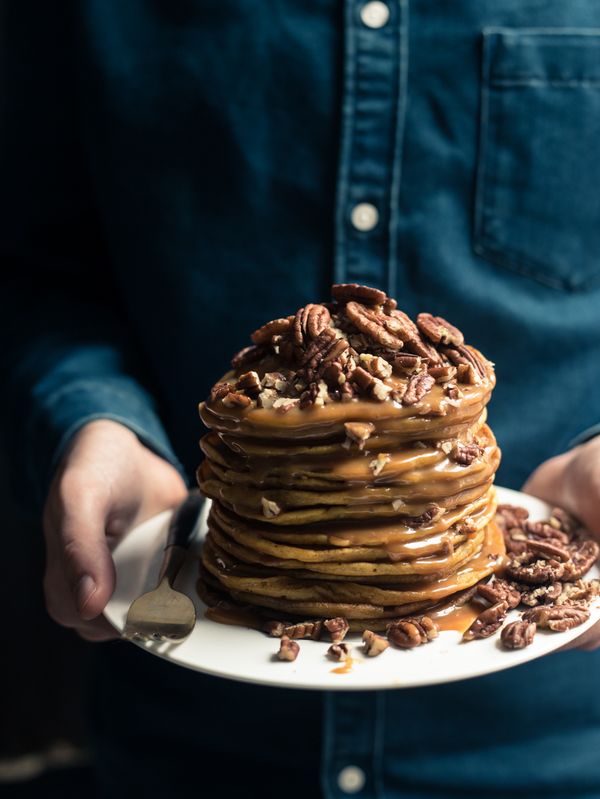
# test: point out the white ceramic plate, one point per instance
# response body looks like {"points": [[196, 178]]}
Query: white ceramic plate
{"points": [[242, 654]]}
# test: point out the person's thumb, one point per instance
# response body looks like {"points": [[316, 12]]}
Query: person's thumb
{"points": [[87, 560]]}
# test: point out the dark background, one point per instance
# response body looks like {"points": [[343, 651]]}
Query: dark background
{"points": [[43, 670]]}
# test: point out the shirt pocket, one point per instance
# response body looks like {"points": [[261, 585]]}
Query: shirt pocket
{"points": [[537, 205]]}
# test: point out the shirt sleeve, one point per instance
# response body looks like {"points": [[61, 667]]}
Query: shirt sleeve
{"points": [[68, 354]]}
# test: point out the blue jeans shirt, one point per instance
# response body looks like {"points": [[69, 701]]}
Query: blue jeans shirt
{"points": [[175, 174]]}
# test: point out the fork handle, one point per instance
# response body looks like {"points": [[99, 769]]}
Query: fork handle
{"points": [[180, 535]]}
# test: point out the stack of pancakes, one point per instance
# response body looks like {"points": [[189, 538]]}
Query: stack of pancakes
{"points": [[335, 494]]}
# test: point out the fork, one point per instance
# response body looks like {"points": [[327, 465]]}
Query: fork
{"points": [[164, 614]]}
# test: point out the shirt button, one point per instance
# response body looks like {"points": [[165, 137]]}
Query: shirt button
{"points": [[364, 216], [351, 779], [375, 14]]}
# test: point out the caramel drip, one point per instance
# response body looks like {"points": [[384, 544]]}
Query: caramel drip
{"points": [[346, 668]]}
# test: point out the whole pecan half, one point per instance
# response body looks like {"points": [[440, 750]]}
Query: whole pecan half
{"points": [[304, 629], [418, 386], [541, 594], [438, 330], [583, 556], [518, 634], [500, 591], [487, 622], [265, 333], [309, 322], [405, 328], [557, 618], [346, 292], [374, 324], [412, 631], [543, 530], [511, 515], [247, 356], [548, 550], [526, 568], [463, 356]]}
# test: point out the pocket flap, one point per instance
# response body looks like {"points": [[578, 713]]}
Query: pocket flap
{"points": [[569, 56]]}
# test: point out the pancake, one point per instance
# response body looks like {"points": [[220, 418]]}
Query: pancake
{"points": [[350, 466]]}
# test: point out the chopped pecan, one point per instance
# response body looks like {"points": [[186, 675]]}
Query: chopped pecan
{"points": [[441, 374], [359, 432], [376, 365], [380, 390], [270, 508], [452, 391], [583, 556], [542, 594], [234, 399], [288, 649], [428, 516], [362, 379], [545, 531], [337, 628], [247, 356], [578, 592], [376, 325], [275, 628], [412, 631], [374, 644], [407, 363], [346, 292], [304, 629], [518, 634], [438, 330], [557, 618], [377, 464], [249, 383], [219, 390], [265, 333], [465, 454], [417, 387], [500, 591], [487, 622], [548, 550], [338, 651]]}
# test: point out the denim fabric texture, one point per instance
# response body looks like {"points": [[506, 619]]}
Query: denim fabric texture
{"points": [[175, 174]]}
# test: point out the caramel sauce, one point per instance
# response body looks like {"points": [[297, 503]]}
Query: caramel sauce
{"points": [[458, 619], [346, 668]]}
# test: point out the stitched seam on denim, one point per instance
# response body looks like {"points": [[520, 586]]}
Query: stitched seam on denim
{"points": [[345, 156], [558, 83], [487, 45], [490, 248], [549, 33], [399, 123]]}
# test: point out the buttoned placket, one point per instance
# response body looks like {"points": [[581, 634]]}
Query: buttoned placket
{"points": [[369, 173], [373, 114]]}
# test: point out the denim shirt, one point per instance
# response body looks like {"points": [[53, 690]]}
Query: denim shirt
{"points": [[175, 174]]}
